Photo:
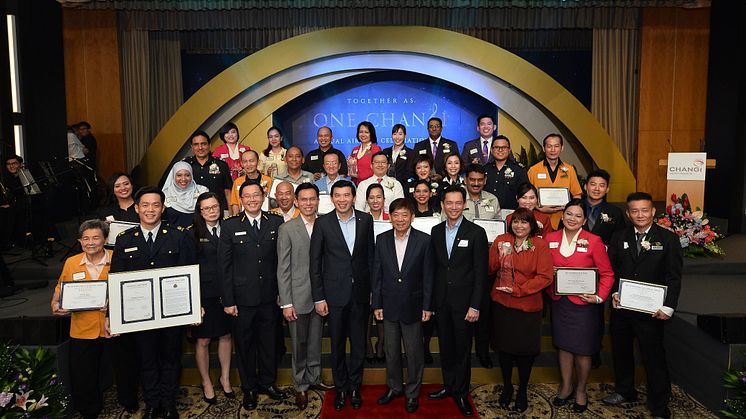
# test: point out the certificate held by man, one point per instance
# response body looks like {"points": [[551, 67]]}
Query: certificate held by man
{"points": [[575, 281], [83, 295], [553, 197], [641, 296]]}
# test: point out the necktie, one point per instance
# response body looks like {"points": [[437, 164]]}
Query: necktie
{"points": [[592, 216], [476, 209], [255, 228], [215, 232], [639, 236], [485, 150], [380, 179], [150, 240], [435, 149]]}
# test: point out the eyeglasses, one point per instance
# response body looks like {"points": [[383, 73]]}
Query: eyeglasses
{"points": [[210, 208], [500, 147], [252, 196], [433, 126]]}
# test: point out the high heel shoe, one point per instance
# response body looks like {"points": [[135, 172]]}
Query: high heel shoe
{"points": [[505, 397], [209, 400], [229, 394], [562, 401], [579, 408]]}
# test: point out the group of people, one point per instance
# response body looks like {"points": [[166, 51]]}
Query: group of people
{"points": [[258, 268]]}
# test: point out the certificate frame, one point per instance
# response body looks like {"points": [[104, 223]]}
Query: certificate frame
{"points": [[425, 224], [561, 274], [380, 227], [116, 227], [660, 292], [551, 196], [325, 204], [67, 285], [492, 227], [154, 315]]}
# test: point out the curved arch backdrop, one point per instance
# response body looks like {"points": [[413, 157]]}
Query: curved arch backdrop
{"points": [[252, 89]]}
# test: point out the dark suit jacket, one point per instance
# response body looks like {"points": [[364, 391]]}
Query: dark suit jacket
{"points": [[336, 276], [459, 280], [654, 266], [248, 265], [403, 294], [172, 247], [423, 147], [404, 167], [207, 257], [605, 230], [473, 149]]}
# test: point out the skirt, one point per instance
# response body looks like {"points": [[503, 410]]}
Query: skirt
{"points": [[516, 332], [215, 323], [575, 327]]}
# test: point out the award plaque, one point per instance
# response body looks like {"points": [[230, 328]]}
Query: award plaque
{"points": [[553, 197], [575, 281], [641, 296]]}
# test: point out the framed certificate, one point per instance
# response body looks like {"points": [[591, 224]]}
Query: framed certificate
{"points": [[275, 183], [325, 204], [575, 281], [641, 296], [380, 227], [553, 197], [117, 227], [154, 299], [425, 224], [83, 295], [493, 228]]}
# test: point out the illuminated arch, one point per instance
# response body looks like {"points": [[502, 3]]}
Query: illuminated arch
{"points": [[252, 89]]}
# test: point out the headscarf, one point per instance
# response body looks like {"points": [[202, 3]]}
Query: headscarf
{"points": [[182, 200]]}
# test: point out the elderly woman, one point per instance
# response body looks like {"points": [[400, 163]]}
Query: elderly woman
{"points": [[88, 329], [575, 319], [359, 162], [230, 151], [215, 322], [181, 193], [272, 159], [527, 197], [120, 204], [523, 268]]}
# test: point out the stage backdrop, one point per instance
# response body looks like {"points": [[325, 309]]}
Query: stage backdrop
{"points": [[384, 99]]}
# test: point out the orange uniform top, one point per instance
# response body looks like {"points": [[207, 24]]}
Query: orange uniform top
{"points": [[266, 183], [538, 175], [84, 324]]}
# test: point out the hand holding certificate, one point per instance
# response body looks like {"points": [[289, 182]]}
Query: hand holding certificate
{"points": [[116, 227], [553, 197], [83, 295], [575, 281], [641, 296]]}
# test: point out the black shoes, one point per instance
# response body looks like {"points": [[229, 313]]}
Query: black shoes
{"points": [[171, 413], [340, 400], [388, 396], [428, 357], [579, 408], [464, 406], [356, 400], [484, 360], [521, 402], [151, 412], [562, 401], [506, 396], [438, 395], [250, 400], [412, 405], [272, 391], [132, 408]]}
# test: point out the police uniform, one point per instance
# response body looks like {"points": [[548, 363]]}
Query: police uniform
{"points": [[248, 276], [159, 349], [215, 175], [314, 161], [504, 183]]}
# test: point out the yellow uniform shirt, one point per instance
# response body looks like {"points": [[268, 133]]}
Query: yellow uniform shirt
{"points": [[266, 183], [538, 175]]}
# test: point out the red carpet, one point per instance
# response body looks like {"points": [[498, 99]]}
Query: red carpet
{"points": [[441, 409]]}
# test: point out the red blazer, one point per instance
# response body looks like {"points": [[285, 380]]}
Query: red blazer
{"points": [[594, 257], [364, 168], [533, 273], [543, 219]]}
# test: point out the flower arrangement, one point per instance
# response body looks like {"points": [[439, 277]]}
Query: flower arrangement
{"points": [[735, 407], [29, 386], [696, 236]]}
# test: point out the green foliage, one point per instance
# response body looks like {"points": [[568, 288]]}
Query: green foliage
{"points": [[735, 380], [29, 386]]}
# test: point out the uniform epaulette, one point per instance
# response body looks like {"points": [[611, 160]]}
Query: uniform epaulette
{"points": [[520, 164], [189, 228], [180, 228], [121, 233], [231, 216], [275, 213]]}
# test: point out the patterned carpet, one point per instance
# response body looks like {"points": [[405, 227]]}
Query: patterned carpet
{"points": [[485, 396]]}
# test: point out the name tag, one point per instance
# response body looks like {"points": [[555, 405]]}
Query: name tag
{"points": [[423, 151], [109, 218], [553, 245], [541, 175], [473, 151], [582, 249], [240, 233], [626, 245], [656, 247], [403, 157], [77, 276], [463, 243], [270, 157], [130, 249], [224, 156], [204, 240], [411, 190], [314, 157], [489, 209]]}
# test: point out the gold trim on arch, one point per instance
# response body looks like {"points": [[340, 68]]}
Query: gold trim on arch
{"points": [[531, 81]]}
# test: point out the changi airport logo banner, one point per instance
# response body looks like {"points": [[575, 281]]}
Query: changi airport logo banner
{"points": [[394, 98], [686, 166]]}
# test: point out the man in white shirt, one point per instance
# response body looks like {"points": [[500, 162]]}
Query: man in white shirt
{"points": [[392, 189]]}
